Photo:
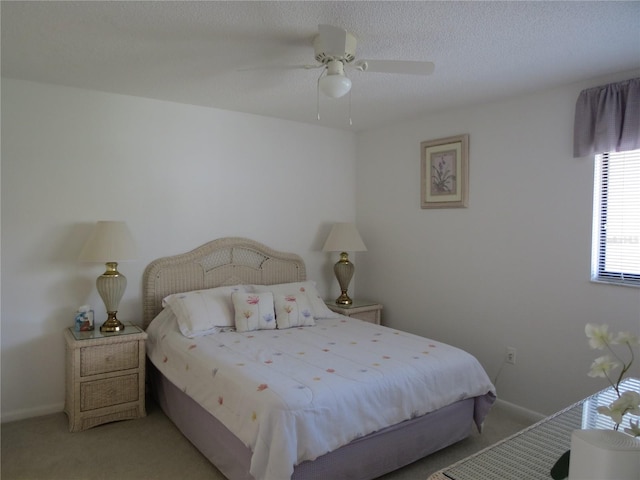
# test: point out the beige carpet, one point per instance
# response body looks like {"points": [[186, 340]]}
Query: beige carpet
{"points": [[151, 448]]}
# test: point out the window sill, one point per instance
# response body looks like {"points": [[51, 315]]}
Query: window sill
{"points": [[614, 282]]}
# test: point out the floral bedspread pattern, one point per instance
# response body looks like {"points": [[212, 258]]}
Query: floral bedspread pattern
{"points": [[295, 394]]}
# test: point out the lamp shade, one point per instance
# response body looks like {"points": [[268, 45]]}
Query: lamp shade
{"points": [[109, 242], [344, 237]]}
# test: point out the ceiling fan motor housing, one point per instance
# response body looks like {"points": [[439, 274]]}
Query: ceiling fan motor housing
{"points": [[325, 55]]}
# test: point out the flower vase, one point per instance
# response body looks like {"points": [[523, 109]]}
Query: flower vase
{"points": [[604, 454]]}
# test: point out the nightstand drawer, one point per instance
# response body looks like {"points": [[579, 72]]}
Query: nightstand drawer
{"points": [[108, 358], [371, 316], [108, 392]]}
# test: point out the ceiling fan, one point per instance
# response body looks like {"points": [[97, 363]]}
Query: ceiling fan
{"points": [[335, 49]]}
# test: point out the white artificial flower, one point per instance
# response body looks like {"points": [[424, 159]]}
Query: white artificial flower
{"points": [[609, 412], [628, 402], [626, 338], [601, 366], [599, 336], [634, 430]]}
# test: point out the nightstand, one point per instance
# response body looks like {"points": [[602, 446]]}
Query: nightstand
{"points": [[105, 376], [360, 309]]}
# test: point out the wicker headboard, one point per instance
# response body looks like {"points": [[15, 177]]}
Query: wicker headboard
{"points": [[226, 261]]}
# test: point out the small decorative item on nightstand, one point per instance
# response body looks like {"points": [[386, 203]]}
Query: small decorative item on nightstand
{"points": [[360, 309], [84, 319], [105, 376]]}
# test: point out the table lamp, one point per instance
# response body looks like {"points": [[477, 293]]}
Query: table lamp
{"points": [[110, 242], [344, 237]]}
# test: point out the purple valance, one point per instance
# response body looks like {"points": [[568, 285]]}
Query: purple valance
{"points": [[607, 119]]}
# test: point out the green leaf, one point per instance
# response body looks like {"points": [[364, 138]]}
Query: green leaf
{"points": [[560, 470]]}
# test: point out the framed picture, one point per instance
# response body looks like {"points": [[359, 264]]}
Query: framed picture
{"points": [[445, 172]]}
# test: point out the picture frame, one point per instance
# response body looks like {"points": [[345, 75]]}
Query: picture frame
{"points": [[444, 172]]}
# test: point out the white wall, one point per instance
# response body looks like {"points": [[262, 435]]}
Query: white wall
{"points": [[510, 270], [179, 175]]}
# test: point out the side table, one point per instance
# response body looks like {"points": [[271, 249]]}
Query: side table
{"points": [[360, 309], [531, 453], [105, 376]]}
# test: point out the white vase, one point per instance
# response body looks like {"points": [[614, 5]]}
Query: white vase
{"points": [[604, 455]]}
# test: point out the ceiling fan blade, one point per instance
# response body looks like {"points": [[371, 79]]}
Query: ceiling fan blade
{"points": [[407, 67], [280, 67], [333, 40]]}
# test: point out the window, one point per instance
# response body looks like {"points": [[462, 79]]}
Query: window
{"points": [[616, 218]]}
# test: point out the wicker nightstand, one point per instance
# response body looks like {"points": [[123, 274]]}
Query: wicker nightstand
{"points": [[360, 309], [105, 376]]}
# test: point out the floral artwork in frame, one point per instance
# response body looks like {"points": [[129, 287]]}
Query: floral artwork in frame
{"points": [[444, 166]]}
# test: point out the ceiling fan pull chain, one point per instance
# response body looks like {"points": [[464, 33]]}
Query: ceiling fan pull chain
{"points": [[350, 122], [318, 94]]}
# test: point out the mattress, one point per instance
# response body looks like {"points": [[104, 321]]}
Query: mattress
{"points": [[294, 395]]}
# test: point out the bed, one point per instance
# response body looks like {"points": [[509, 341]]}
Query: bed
{"points": [[313, 398]]}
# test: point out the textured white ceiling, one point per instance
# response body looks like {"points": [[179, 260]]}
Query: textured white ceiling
{"points": [[198, 52]]}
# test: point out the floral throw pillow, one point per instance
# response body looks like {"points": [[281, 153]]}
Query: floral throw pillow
{"points": [[293, 311], [318, 307], [253, 311]]}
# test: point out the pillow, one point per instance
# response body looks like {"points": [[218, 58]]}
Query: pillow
{"points": [[254, 311], [292, 310], [318, 307], [201, 312], [166, 315]]}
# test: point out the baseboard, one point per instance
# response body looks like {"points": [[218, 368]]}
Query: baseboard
{"points": [[31, 412], [529, 415]]}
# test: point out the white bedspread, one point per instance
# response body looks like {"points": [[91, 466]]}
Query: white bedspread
{"points": [[293, 395]]}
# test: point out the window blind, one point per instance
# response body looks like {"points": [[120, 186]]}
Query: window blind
{"points": [[616, 232]]}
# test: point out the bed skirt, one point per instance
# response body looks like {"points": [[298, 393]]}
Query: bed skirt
{"points": [[363, 459]]}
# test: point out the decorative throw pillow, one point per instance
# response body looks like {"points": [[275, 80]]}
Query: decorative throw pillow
{"points": [[292, 310], [308, 288], [254, 311], [201, 312]]}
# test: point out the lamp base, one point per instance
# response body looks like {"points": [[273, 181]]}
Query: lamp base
{"points": [[343, 270], [112, 324], [344, 299], [111, 285]]}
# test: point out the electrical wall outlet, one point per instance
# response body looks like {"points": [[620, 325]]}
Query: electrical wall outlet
{"points": [[510, 355]]}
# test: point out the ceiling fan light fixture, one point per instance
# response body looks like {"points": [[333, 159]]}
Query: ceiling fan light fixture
{"points": [[335, 84]]}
